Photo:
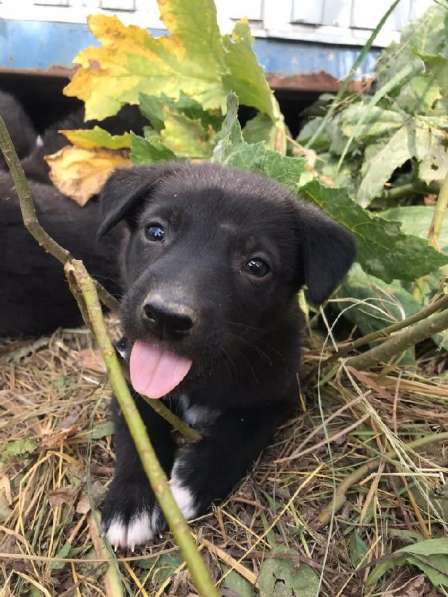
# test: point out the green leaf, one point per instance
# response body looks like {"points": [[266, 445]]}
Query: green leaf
{"points": [[246, 77], [154, 109], [375, 121], [357, 549], [185, 137], [63, 552], [382, 249], [256, 158], [377, 304], [151, 107], [260, 128], [166, 566], [237, 584], [102, 430], [419, 95], [98, 137], [283, 575], [426, 35], [145, 151], [229, 137], [131, 61], [434, 163], [380, 304], [416, 220], [323, 141], [430, 556], [378, 170], [20, 447]]}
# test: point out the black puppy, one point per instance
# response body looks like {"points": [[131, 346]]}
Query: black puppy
{"points": [[19, 125], [211, 266], [34, 295]]}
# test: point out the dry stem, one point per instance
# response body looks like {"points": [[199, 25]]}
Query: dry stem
{"points": [[398, 343], [340, 496]]}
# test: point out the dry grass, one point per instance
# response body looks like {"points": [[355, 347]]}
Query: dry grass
{"points": [[53, 401]]}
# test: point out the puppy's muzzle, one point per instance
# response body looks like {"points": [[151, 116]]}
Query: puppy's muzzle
{"points": [[167, 319]]}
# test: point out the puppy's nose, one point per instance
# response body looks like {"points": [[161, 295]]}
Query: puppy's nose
{"points": [[165, 318]]}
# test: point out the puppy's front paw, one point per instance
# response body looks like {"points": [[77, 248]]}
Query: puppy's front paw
{"points": [[130, 515]]}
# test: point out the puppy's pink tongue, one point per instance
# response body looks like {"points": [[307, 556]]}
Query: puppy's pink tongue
{"points": [[156, 371]]}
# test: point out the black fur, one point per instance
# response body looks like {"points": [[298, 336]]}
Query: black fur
{"points": [[35, 166], [19, 125], [34, 296], [244, 337]]}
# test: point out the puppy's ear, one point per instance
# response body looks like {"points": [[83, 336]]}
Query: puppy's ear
{"points": [[327, 252], [125, 189]]}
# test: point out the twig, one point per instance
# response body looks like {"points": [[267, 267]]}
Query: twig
{"points": [[394, 327], [340, 496], [29, 215], [439, 213], [176, 422], [163, 411], [112, 580], [404, 190], [151, 466], [400, 342]]}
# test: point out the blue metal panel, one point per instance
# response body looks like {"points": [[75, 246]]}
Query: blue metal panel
{"points": [[41, 44], [286, 57]]}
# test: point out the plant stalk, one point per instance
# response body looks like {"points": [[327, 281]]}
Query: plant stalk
{"points": [[395, 327], [340, 496], [398, 343], [439, 213]]}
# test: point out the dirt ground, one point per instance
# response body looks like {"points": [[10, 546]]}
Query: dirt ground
{"points": [[350, 437]]}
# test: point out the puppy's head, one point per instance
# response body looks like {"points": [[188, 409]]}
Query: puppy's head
{"points": [[213, 260]]}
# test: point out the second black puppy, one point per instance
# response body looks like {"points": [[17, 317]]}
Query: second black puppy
{"points": [[211, 266]]}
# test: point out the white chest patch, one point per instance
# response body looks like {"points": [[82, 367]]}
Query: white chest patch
{"points": [[197, 415]]}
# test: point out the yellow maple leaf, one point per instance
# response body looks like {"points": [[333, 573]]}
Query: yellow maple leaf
{"points": [[131, 61], [81, 173]]}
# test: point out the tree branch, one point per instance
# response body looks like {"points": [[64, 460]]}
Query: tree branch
{"points": [[394, 327], [400, 342]]}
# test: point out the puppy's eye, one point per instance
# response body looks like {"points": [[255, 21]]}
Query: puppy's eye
{"points": [[257, 267], [155, 232]]}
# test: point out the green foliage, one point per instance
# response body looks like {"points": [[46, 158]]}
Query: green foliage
{"points": [[282, 575], [17, 448], [430, 556], [383, 250], [403, 125]]}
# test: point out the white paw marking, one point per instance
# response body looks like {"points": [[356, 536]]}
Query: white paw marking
{"points": [[181, 493], [139, 530], [184, 499]]}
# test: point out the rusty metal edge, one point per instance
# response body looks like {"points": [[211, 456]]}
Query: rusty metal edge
{"points": [[320, 82]]}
